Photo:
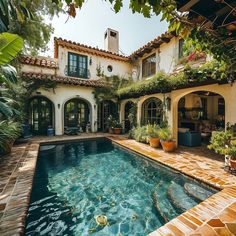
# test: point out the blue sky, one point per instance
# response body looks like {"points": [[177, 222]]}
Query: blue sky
{"points": [[96, 16]]}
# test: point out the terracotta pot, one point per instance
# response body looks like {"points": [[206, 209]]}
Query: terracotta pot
{"points": [[8, 148], [110, 131], [168, 146], [117, 130], [233, 164], [154, 142]]}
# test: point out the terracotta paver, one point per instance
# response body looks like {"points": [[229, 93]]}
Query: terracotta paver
{"points": [[215, 216]]}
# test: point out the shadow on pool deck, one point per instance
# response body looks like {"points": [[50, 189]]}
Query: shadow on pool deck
{"points": [[214, 216]]}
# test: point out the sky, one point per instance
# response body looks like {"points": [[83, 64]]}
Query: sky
{"points": [[96, 16]]}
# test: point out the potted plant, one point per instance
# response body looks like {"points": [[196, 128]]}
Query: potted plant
{"points": [[221, 142], [117, 128], [167, 142], [231, 151], [140, 134], [110, 123], [9, 132], [153, 134]]}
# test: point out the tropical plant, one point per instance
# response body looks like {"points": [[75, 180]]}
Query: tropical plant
{"points": [[111, 121], [117, 125], [9, 132], [221, 141], [10, 46], [165, 134], [153, 130], [27, 19]]}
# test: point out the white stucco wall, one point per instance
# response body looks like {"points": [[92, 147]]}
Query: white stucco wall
{"points": [[62, 94], [120, 68], [166, 58]]}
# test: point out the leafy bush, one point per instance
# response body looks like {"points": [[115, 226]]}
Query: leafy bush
{"points": [[162, 82], [9, 132], [152, 130], [165, 134], [140, 134], [220, 141]]}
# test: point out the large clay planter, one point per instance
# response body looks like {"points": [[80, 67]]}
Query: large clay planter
{"points": [[233, 164], [154, 142], [117, 130], [110, 131], [8, 147], [168, 146]]}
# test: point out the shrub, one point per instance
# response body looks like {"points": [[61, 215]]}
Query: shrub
{"points": [[140, 134], [9, 132], [152, 130], [165, 134]]}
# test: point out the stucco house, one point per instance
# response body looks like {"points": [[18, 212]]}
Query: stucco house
{"points": [[75, 69]]}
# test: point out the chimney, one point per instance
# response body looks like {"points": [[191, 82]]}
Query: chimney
{"points": [[111, 41]]}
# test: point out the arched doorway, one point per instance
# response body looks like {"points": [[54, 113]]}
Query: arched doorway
{"points": [[128, 108], [76, 114], [40, 115], [199, 114], [105, 109], [152, 111]]}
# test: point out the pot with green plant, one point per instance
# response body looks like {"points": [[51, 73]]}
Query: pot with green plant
{"points": [[221, 142], [117, 128], [167, 142], [232, 153], [153, 135], [110, 124], [9, 132], [140, 134]]}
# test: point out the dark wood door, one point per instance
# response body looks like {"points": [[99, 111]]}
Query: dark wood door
{"points": [[41, 115]]}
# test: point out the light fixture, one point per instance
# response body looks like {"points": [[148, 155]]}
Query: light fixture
{"points": [[58, 105], [90, 61], [39, 93], [230, 79]]}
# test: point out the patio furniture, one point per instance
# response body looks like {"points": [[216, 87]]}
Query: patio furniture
{"points": [[72, 130], [189, 138]]}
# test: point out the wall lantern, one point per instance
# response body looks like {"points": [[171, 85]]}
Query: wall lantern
{"points": [[90, 61], [168, 103], [94, 107], [58, 105], [230, 79], [38, 93]]}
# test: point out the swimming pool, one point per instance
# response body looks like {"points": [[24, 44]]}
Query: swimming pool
{"points": [[97, 188]]}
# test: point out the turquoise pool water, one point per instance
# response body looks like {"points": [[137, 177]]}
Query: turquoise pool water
{"points": [[76, 182]]}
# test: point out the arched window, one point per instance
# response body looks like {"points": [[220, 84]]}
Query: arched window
{"points": [[40, 115], [76, 113], [152, 111]]}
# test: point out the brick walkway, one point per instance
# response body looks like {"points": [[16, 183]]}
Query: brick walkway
{"points": [[214, 216]]}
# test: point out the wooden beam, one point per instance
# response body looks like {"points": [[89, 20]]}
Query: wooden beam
{"points": [[188, 5]]}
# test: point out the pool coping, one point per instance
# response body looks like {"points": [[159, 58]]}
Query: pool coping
{"points": [[207, 217]]}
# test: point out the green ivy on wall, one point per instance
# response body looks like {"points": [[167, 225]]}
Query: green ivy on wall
{"points": [[210, 72]]}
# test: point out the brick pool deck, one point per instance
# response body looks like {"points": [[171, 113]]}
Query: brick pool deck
{"points": [[214, 216]]}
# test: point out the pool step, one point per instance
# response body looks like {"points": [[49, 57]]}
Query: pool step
{"points": [[196, 192], [179, 199], [158, 208]]}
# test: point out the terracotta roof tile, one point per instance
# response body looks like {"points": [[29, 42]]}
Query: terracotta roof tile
{"points": [[64, 80], [86, 49], [155, 43], [39, 61]]}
